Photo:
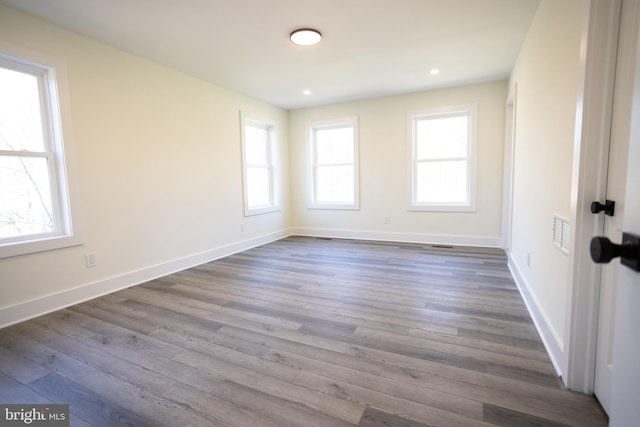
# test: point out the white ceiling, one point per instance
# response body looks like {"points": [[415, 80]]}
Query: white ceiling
{"points": [[370, 47]]}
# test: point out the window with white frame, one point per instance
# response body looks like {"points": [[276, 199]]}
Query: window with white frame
{"points": [[333, 180], [35, 189], [259, 172], [443, 158]]}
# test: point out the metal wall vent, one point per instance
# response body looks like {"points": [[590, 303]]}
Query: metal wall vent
{"points": [[561, 233]]}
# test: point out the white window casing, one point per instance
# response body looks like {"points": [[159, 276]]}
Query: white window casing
{"points": [[259, 165], [442, 151], [333, 172], [51, 186]]}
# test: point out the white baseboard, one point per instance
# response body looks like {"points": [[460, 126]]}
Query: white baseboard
{"points": [[550, 337], [437, 239], [37, 307]]}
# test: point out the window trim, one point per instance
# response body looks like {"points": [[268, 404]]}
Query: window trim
{"points": [[272, 166], [470, 205], [54, 94], [312, 203]]}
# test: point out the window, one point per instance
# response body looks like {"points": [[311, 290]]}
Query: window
{"points": [[258, 153], [35, 192], [334, 164], [443, 159]]}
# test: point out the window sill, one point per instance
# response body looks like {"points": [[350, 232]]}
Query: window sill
{"points": [[335, 206], [263, 210], [11, 249], [442, 208]]}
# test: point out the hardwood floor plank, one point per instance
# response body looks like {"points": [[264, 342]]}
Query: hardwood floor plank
{"points": [[525, 349], [115, 366], [519, 318], [19, 367], [403, 390], [301, 332], [460, 360], [329, 356], [166, 318], [516, 395], [144, 403], [75, 421], [344, 319], [511, 341], [421, 318], [221, 411], [192, 376], [502, 416], [295, 336], [284, 389], [14, 392], [375, 418], [56, 322], [90, 407], [138, 325], [210, 343], [228, 358], [505, 361], [45, 356], [284, 412], [166, 300], [219, 314], [404, 408], [303, 320]]}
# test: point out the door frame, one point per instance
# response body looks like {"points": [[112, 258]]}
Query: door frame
{"points": [[589, 178], [508, 160]]}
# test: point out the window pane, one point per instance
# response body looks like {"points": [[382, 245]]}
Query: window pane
{"points": [[20, 114], [441, 182], [334, 146], [335, 184], [442, 137], [256, 140], [26, 206], [258, 187]]}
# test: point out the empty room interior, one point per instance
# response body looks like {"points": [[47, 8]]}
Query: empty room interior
{"points": [[206, 220]]}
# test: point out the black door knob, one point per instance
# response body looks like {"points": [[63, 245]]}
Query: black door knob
{"points": [[609, 207], [603, 250]]}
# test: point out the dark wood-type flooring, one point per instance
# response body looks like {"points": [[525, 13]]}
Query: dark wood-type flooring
{"points": [[301, 332]]}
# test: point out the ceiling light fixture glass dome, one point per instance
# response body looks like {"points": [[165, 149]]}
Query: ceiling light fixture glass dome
{"points": [[305, 36]]}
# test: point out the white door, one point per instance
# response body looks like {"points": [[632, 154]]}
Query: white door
{"points": [[625, 385], [616, 182], [618, 354]]}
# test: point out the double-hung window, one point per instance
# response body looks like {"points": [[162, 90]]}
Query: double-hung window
{"points": [[35, 190], [333, 148], [443, 158], [258, 160]]}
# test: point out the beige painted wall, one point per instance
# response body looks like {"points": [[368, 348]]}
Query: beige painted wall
{"points": [[384, 170], [158, 165], [547, 74]]}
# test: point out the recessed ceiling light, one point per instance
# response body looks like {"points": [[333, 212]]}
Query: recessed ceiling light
{"points": [[307, 92], [305, 37], [434, 71]]}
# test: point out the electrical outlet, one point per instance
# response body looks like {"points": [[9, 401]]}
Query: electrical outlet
{"points": [[91, 260], [242, 228], [528, 259], [387, 220]]}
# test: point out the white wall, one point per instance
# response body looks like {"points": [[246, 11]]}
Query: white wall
{"points": [[384, 189], [158, 169], [547, 75]]}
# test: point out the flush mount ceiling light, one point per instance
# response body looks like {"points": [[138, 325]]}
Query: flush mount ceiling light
{"points": [[305, 37]]}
